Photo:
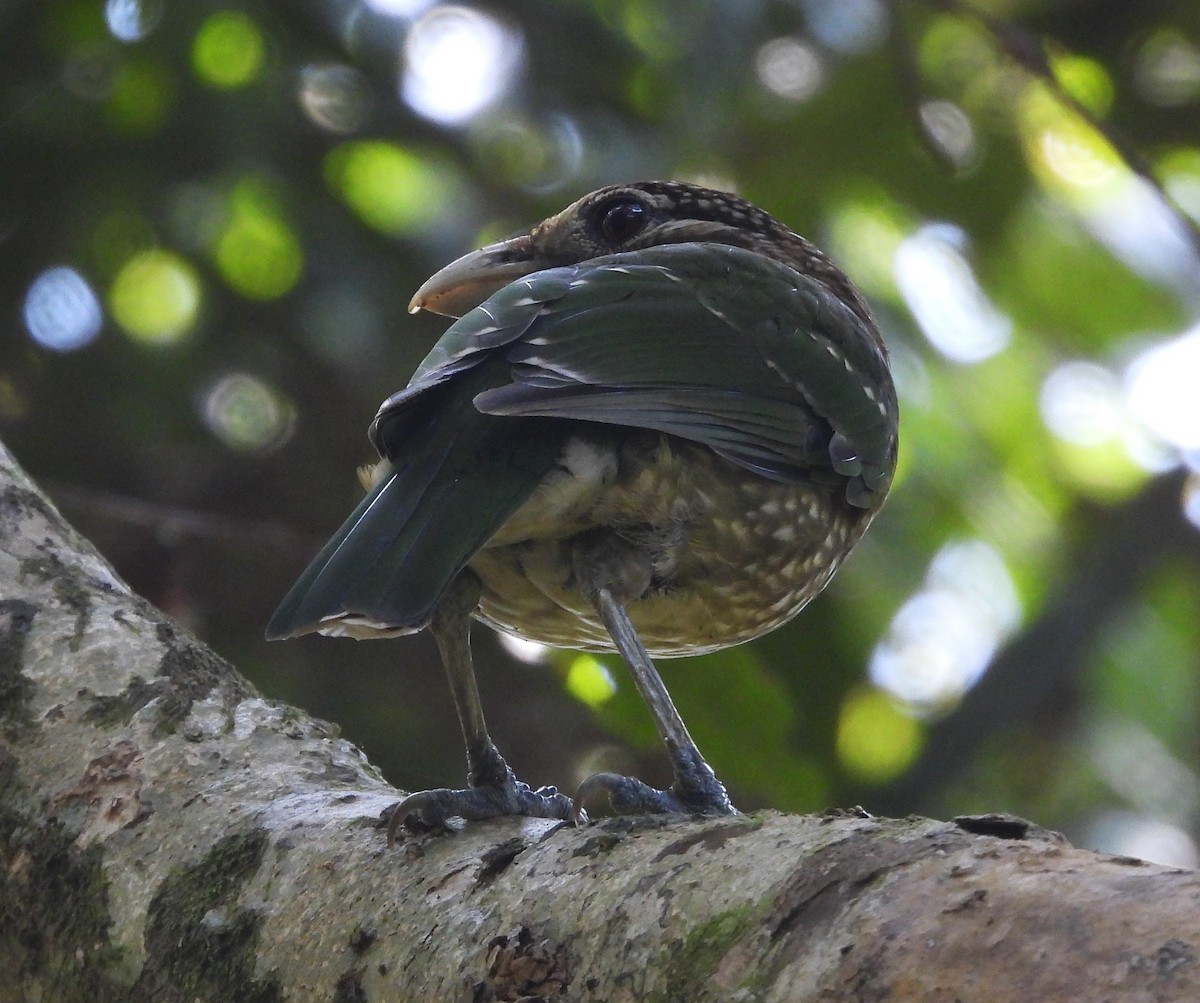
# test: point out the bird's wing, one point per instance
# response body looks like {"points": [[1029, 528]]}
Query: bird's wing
{"points": [[707, 342]]}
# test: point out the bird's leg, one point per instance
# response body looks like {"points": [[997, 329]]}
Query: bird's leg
{"points": [[493, 787], [612, 573]]}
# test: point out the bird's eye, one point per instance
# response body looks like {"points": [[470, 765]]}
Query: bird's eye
{"points": [[620, 220]]}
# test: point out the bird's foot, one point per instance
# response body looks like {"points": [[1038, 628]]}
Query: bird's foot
{"points": [[426, 810], [695, 791]]}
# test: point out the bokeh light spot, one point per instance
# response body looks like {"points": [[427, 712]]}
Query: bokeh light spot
{"points": [[1180, 173], [399, 8], [940, 288], [132, 20], [155, 297], [1133, 835], [1163, 386], [140, 97], [848, 26], [950, 131], [246, 414], [390, 188], [790, 68], [1191, 497], [589, 681], [1066, 152], [941, 640], [62, 312], [876, 740], [457, 62], [257, 253], [1086, 81], [335, 96], [538, 156], [1081, 403], [228, 50], [1168, 68], [522, 649]]}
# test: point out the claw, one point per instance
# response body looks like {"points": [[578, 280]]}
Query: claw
{"points": [[690, 794], [432, 809]]}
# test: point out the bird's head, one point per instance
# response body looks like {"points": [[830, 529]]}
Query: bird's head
{"points": [[623, 218]]}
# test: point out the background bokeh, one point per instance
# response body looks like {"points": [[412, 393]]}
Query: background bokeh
{"points": [[212, 216]]}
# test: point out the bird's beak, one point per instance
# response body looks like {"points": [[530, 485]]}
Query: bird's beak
{"points": [[465, 283]]}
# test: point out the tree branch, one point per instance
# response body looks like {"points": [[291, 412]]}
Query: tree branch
{"points": [[166, 833]]}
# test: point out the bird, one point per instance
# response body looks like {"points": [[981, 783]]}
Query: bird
{"points": [[658, 424]]}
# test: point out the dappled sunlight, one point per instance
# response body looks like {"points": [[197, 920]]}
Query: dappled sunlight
{"points": [[1143, 231], [1082, 403], [1073, 161]]}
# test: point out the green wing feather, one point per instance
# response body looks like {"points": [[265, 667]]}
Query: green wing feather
{"points": [[715, 344]]}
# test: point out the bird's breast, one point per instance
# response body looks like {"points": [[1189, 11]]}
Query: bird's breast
{"points": [[733, 554]]}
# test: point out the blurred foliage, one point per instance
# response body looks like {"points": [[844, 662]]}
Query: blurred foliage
{"points": [[212, 216]]}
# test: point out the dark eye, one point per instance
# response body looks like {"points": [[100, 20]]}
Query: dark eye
{"points": [[620, 220]]}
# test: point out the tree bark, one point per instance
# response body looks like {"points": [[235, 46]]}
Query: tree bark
{"points": [[166, 833]]}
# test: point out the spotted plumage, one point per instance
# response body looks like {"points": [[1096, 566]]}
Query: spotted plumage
{"points": [[660, 424]]}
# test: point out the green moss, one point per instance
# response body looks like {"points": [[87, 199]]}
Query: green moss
{"points": [[193, 672], [16, 691], [201, 945], [695, 960], [116, 711], [68, 589], [54, 922]]}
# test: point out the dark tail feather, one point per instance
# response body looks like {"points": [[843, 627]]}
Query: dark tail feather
{"points": [[391, 560]]}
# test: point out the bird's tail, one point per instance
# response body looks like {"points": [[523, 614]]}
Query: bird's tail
{"points": [[455, 477]]}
